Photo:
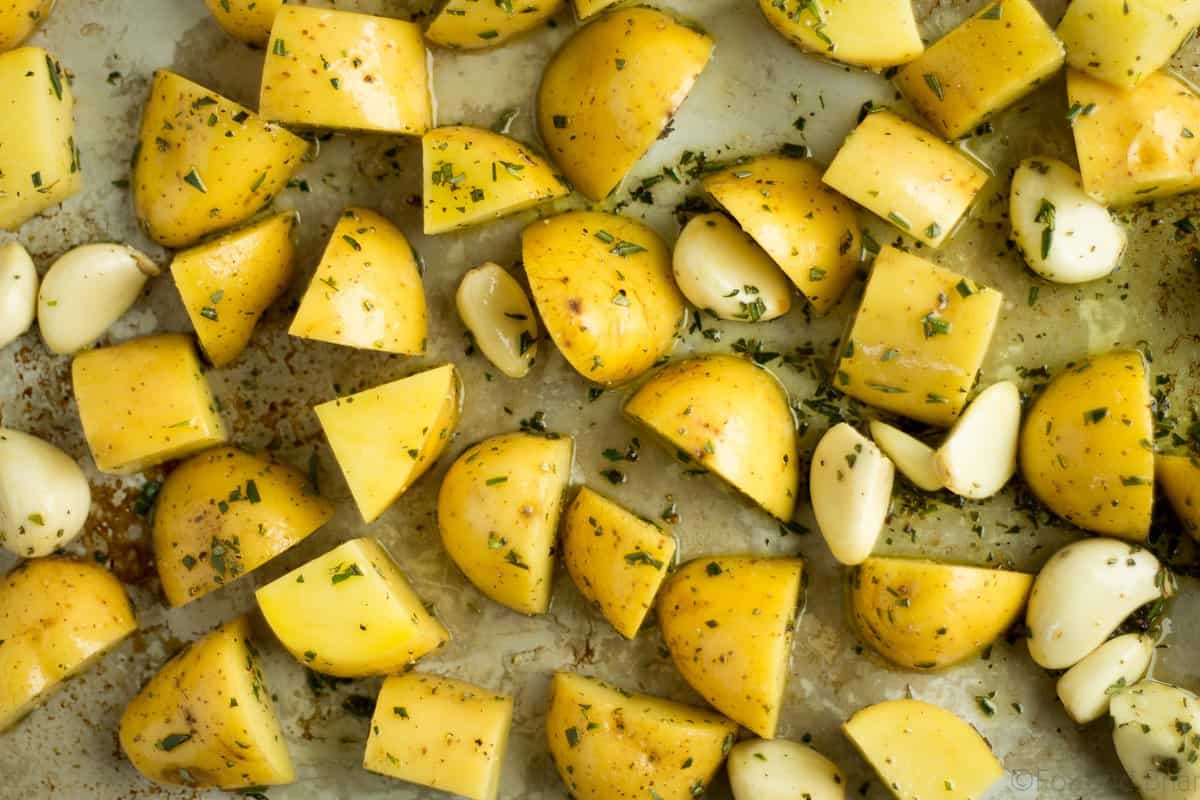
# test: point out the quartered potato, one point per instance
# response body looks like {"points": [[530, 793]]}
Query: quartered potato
{"points": [[863, 33], [248, 20], [610, 744], [351, 613], [477, 24], [18, 292], [1155, 734], [498, 511], [783, 770], [610, 90], [473, 175], [850, 483], [206, 720], [1179, 479], [603, 285], [499, 317], [326, 68], [44, 496], [19, 19], [729, 622], [1122, 42], [382, 452], [810, 231], [732, 418], [1086, 689], [57, 617], [223, 514], [367, 290], [205, 163], [907, 176], [1086, 445], [924, 615]]}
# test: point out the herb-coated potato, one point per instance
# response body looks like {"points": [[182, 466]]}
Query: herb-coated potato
{"points": [[440, 732], [382, 453], [587, 8], [498, 511], [248, 20], [367, 290], [224, 513], [729, 622], [228, 283], [19, 18], [610, 744], [864, 33], [57, 616], [351, 613], [39, 161], [617, 559], [1086, 447], [327, 68], [205, 163], [612, 87], [1179, 478], [143, 402], [603, 285], [206, 720], [1123, 41], [924, 615], [474, 175], [477, 24], [808, 229], [731, 417]]}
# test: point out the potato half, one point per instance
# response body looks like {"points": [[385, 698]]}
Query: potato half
{"points": [[1179, 477], [1122, 42]]}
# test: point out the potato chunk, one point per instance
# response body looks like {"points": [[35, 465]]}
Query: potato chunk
{"points": [[1179, 477], [247, 20], [440, 732], [57, 616], [478, 24], [326, 68], [143, 402], [224, 513], [907, 176], [1122, 42], [863, 33], [19, 19], [39, 162], [918, 340], [351, 612]]}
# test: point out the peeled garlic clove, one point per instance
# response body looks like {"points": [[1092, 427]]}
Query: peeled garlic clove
{"points": [[1155, 734], [783, 770], [88, 289], [980, 454], [1086, 688], [911, 456], [1065, 235], [1084, 592], [18, 292], [851, 486], [720, 269], [44, 496], [498, 314]]}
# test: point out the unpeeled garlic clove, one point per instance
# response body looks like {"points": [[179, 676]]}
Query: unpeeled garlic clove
{"points": [[498, 314], [851, 486], [911, 456], [44, 495], [88, 289], [980, 454], [1155, 730], [783, 770], [1086, 688], [18, 292], [720, 269]]}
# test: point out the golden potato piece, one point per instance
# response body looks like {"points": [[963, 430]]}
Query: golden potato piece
{"points": [[1179, 477], [1086, 445], [478, 24], [863, 33], [248, 20], [611, 89], [19, 19], [1122, 42]]}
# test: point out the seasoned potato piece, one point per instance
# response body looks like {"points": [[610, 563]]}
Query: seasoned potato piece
{"points": [[19, 19], [907, 176], [1086, 447], [477, 24], [809, 230], [918, 340], [143, 402], [351, 612], [205, 163], [382, 452], [863, 33], [228, 283], [225, 513], [39, 161], [367, 290], [730, 416], [1124, 41], [248, 20], [206, 721], [586, 8], [499, 317], [610, 744], [617, 559], [440, 732], [603, 285], [335, 69], [474, 175], [57, 617], [609, 91], [1179, 477]]}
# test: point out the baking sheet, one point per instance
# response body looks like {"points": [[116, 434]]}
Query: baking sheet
{"points": [[747, 101]]}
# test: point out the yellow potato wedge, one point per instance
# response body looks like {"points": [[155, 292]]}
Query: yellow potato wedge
{"points": [[20, 18], [1179, 478], [863, 33], [247, 20], [479, 24], [1122, 42]]}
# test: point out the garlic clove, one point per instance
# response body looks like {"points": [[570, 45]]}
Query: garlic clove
{"points": [[1086, 688], [499, 316], [851, 486], [18, 292], [88, 289], [979, 455], [44, 496], [1155, 730], [720, 269], [781, 770], [911, 456]]}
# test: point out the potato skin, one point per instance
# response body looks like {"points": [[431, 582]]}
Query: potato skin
{"points": [[19, 19], [872, 34], [1179, 477], [477, 25], [1123, 43], [247, 20]]}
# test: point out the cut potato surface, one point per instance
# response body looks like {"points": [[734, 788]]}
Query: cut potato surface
{"points": [[478, 24], [863, 33], [1122, 42], [1086, 689], [247, 20], [913, 458], [1179, 477], [19, 19], [783, 770], [850, 483]]}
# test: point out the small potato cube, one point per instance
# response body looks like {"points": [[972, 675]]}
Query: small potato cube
{"points": [[336, 69], [440, 732], [39, 162], [19, 18], [144, 402], [906, 175], [1122, 42], [918, 340], [1179, 477], [956, 89]]}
